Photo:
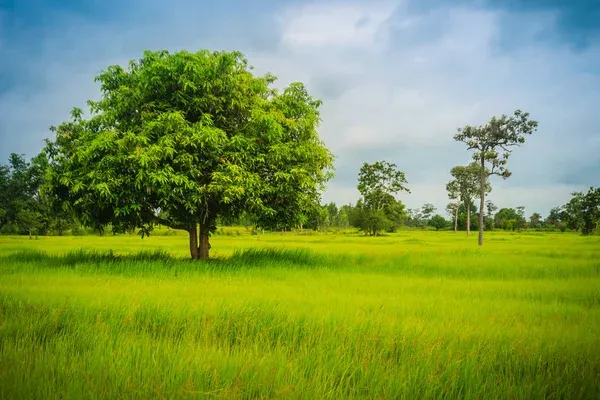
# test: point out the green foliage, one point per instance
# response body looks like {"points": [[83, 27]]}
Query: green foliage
{"points": [[319, 218], [555, 217], [582, 212], [465, 183], [438, 222], [29, 220], [510, 219], [490, 208], [465, 222], [378, 209], [535, 221], [492, 142], [373, 221], [16, 189], [24, 206], [521, 222], [379, 179], [343, 218], [182, 139], [427, 210]]}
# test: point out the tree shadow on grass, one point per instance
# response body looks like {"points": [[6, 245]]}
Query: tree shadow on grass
{"points": [[162, 260]]}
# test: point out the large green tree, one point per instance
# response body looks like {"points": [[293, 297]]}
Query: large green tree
{"points": [[378, 209], [182, 138], [492, 145], [465, 186]]}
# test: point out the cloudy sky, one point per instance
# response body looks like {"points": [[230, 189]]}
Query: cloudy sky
{"points": [[396, 77]]}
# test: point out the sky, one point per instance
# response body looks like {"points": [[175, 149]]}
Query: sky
{"points": [[397, 78]]}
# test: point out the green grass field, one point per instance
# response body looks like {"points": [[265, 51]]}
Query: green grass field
{"points": [[412, 315]]}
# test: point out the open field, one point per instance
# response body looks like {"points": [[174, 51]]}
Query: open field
{"points": [[413, 315]]}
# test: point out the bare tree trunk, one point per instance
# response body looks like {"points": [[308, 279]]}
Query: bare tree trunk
{"points": [[204, 246], [456, 219], [193, 242], [481, 197], [469, 217]]}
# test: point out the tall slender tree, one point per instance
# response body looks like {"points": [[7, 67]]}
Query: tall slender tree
{"points": [[492, 145], [452, 210]]}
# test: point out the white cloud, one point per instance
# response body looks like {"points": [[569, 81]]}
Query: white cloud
{"points": [[339, 23]]}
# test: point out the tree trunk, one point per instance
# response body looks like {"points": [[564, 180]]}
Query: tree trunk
{"points": [[481, 197], [456, 219], [469, 217], [29, 233], [193, 242], [204, 246]]}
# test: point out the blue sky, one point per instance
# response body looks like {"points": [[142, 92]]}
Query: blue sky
{"points": [[396, 77]]}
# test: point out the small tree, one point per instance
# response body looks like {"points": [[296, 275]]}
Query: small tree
{"points": [[521, 222], [427, 211], [378, 183], [488, 141], [333, 211], [452, 210], [343, 220], [554, 217], [535, 221], [29, 220], [438, 222], [491, 209], [415, 219]]}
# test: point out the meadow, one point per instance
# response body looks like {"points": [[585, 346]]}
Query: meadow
{"points": [[413, 315]]}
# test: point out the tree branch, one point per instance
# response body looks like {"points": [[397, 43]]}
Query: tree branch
{"points": [[170, 224]]}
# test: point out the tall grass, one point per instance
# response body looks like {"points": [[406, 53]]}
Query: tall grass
{"points": [[421, 316]]}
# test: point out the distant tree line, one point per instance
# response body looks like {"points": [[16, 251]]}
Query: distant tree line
{"points": [[28, 208]]}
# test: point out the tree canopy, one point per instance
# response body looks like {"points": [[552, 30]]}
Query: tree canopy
{"points": [[180, 139], [582, 212], [378, 209]]}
